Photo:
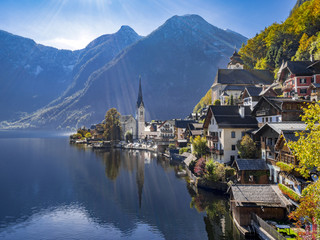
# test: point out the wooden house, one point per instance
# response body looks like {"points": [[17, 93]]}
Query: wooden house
{"points": [[264, 200], [251, 171]]}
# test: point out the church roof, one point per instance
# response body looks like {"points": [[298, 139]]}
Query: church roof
{"points": [[243, 77], [140, 99], [235, 58]]}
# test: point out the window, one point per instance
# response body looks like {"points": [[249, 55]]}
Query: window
{"points": [[219, 134], [243, 133], [266, 119], [303, 80], [233, 134], [233, 147], [277, 119], [313, 79], [270, 119], [232, 158], [303, 90], [262, 119], [269, 141]]}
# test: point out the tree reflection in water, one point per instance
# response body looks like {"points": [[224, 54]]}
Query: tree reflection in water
{"points": [[218, 221]]}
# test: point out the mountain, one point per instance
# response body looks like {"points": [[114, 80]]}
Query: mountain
{"points": [[31, 74], [298, 4], [177, 63]]}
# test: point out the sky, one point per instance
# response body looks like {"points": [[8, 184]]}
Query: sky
{"points": [[72, 24]]}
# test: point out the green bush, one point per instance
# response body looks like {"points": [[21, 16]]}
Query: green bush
{"points": [[184, 149], [289, 192]]}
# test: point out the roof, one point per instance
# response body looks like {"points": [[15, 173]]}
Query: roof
{"points": [[195, 126], [234, 88], [291, 135], [189, 159], [243, 77], [125, 118], [283, 126], [183, 123], [251, 164], [258, 194], [196, 132], [235, 58], [315, 85], [254, 91], [224, 94], [229, 117], [140, 99], [299, 67]]}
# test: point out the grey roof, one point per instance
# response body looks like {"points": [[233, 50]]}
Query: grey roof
{"points": [[290, 135], [258, 194], [229, 117], [140, 99], [254, 91], [234, 88], [283, 126], [299, 67], [243, 77], [183, 123], [316, 85], [251, 164], [195, 126], [125, 118], [189, 159]]}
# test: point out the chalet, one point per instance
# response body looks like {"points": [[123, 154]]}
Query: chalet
{"points": [[166, 129], [278, 109], [251, 95], [269, 135], [264, 200], [284, 154], [223, 127], [193, 130], [296, 77], [251, 171], [314, 91], [180, 132]]}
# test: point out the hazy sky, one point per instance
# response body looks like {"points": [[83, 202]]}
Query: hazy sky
{"points": [[72, 24]]}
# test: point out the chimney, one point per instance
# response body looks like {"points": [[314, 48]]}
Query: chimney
{"points": [[241, 111]]}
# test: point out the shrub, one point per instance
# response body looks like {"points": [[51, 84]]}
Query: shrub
{"points": [[184, 149], [285, 167], [289, 192], [172, 146], [200, 167]]}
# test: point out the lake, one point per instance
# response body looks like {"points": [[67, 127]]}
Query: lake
{"points": [[53, 190]]}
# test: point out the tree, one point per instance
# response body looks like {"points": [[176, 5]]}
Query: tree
{"points": [[112, 127], [88, 135], [199, 145], [129, 136], [307, 151], [217, 102], [247, 148]]}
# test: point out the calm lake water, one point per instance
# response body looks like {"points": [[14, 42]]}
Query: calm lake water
{"points": [[52, 190]]}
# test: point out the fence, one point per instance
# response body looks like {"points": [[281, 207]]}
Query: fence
{"points": [[266, 227]]}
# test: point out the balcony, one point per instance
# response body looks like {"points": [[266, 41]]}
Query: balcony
{"points": [[212, 138], [219, 152]]}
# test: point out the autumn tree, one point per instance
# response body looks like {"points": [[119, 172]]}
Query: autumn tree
{"points": [[307, 151], [199, 145], [112, 127], [247, 148]]}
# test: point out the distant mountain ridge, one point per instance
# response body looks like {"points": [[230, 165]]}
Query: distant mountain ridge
{"points": [[177, 63]]}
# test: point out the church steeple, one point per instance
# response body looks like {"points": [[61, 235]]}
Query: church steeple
{"points": [[140, 99]]}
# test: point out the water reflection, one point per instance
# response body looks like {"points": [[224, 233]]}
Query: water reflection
{"points": [[47, 186]]}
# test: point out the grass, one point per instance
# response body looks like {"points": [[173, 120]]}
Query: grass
{"points": [[288, 232]]}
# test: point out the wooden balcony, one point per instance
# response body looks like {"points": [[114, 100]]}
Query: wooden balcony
{"points": [[212, 138], [286, 158]]}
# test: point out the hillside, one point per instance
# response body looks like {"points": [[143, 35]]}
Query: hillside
{"points": [[177, 63], [295, 39]]}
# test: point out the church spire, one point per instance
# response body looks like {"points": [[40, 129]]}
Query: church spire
{"points": [[140, 99]]}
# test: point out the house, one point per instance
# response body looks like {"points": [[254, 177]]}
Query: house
{"points": [[193, 130], [278, 109], [223, 127], [97, 131], [166, 129], [284, 154], [264, 200], [251, 171], [251, 95], [128, 125], [296, 77], [269, 135], [180, 130], [151, 130], [232, 81], [314, 91]]}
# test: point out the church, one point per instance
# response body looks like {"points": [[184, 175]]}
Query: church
{"points": [[135, 126]]}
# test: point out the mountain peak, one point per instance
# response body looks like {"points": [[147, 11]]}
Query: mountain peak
{"points": [[125, 29]]}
